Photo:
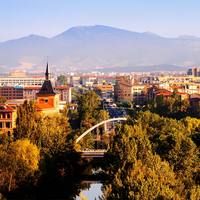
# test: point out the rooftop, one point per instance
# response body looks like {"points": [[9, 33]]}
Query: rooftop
{"points": [[47, 88]]}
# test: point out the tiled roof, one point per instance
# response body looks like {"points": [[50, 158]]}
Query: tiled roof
{"points": [[62, 87], [164, 94], [47, 88], [5, 108]]}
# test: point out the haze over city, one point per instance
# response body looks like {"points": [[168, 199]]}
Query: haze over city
{"points": [[90, 35]]}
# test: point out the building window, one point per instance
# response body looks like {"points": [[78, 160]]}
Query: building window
{"points": [[42, 100], [1, 124], [8, 125], [46, 100], [8, 115]]}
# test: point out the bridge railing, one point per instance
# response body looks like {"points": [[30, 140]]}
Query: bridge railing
{"points": [[91, 151]]}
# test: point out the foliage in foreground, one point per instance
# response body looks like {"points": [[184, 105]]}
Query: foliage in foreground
{"points": [[153, 157], [37, 139], [19, 161]]}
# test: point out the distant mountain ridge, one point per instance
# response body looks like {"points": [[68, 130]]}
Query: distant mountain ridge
{"points": [[99, 47]]}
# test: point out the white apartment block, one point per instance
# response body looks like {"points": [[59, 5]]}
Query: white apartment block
{"points": [[21, 81], [20, 78]]}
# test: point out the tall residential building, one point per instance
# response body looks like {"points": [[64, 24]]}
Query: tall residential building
{"points": [[195, 71], [123, 88], [127, 90], [11, 92]]}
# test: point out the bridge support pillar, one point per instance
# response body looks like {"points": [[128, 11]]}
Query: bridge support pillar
{"points": [[105, 127]]}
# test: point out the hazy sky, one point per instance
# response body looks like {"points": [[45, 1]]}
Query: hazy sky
{"points": [[50, 17]]}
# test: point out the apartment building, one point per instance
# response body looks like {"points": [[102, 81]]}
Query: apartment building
{"points": [[195, 71], [105, 91], [123, 88], [11, 92], [65, 93], [8, 115], [29, 92]]}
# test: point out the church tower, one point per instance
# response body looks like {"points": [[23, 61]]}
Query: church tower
{"points": [[47, 100]]}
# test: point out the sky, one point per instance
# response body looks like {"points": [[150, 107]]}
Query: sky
{"points": [[169, 18]]}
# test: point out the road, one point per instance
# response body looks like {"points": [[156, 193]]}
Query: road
{"points": [[115, 112]]}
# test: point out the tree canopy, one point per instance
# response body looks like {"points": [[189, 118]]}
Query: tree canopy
{"points": [[153, 157]]}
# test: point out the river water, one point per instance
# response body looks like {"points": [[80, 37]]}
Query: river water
{"points": [[84, 187], [84, 190], [93, 192]]}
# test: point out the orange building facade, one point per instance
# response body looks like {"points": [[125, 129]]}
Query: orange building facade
{"points": [[47, 101]]}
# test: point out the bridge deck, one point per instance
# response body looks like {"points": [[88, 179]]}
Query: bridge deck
{"points": [[92, 153]]}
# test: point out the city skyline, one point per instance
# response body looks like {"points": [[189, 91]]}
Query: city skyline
{"points": [[48, 18]]}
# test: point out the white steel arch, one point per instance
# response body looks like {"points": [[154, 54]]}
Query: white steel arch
{"points": [[99, 124]]}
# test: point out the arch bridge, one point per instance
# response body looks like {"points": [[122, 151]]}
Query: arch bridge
{"points": [[96, 152]]}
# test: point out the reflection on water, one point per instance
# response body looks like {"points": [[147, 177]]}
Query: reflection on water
{"points": [[82, 180], [2, 197], [81, 190], [92, 192]]}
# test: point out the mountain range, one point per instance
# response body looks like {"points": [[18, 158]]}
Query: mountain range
{"points": [[100, 47]]}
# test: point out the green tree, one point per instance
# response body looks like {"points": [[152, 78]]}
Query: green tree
{"points": [[102, 115], [27, 121], [172, 105], [53, 132], [19, 161], [137, 172], [88, 104], [49, 132], [150, 151], [62, 79]]}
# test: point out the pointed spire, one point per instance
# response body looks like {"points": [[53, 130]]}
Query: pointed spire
{"points": [[47, 86], [47, 72]]}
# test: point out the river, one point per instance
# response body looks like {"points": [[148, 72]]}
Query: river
{"points": [[84, 183], [90, 191], [93, 192]]}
